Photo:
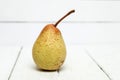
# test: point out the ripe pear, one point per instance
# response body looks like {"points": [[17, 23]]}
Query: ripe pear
{"points": [[49, 50]]}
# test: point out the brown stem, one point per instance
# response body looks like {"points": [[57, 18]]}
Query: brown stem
{"points": [[64, 17]]}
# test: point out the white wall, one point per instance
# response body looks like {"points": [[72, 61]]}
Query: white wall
{"points": [[94, 21], [52, 10]]}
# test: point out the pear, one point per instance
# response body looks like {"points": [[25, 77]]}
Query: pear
{"points": [[49, 50]]}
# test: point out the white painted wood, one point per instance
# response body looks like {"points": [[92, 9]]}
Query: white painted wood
{"points": [[108, 56], [26, 68], [18, 34], [77, 66], [8, 56], [73, 33], [91, 36], [52, 10]]}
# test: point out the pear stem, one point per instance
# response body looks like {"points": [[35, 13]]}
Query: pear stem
{"points": [[64, 17]]}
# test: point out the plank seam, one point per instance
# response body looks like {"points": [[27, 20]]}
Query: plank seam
{"points": [[100, 67], [62, 22], [15, 63]]}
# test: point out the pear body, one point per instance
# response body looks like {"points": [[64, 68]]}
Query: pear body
{"points": [[49, 49]]}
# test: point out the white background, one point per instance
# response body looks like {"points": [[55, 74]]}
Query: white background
{"points": [[93, 21]]}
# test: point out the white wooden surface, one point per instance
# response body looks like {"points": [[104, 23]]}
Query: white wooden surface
{"points": [[73, 33], [8, 56], [77, 66], [93, 29], [101, 40], [108, 56]]}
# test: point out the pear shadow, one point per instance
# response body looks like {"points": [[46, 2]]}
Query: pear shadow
{"points": [[61, 69], [42, 70]]}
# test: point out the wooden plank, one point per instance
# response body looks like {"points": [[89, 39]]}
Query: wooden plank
{"points": [[8, 56], [77, 66], [14, 34], [108, 56], [73, 33], [37, 10], [26, 69]]}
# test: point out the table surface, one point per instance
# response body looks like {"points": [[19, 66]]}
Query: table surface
{"points": [[91, 35], [93, 52]]}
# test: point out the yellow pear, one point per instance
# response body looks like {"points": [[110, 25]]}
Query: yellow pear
{"points": [[49, 50]]}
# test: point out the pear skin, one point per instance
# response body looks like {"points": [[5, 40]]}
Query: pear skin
{"points": [[49, 50]]}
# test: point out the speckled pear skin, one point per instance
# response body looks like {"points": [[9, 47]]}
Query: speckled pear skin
{"points": [[49, 51]]}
